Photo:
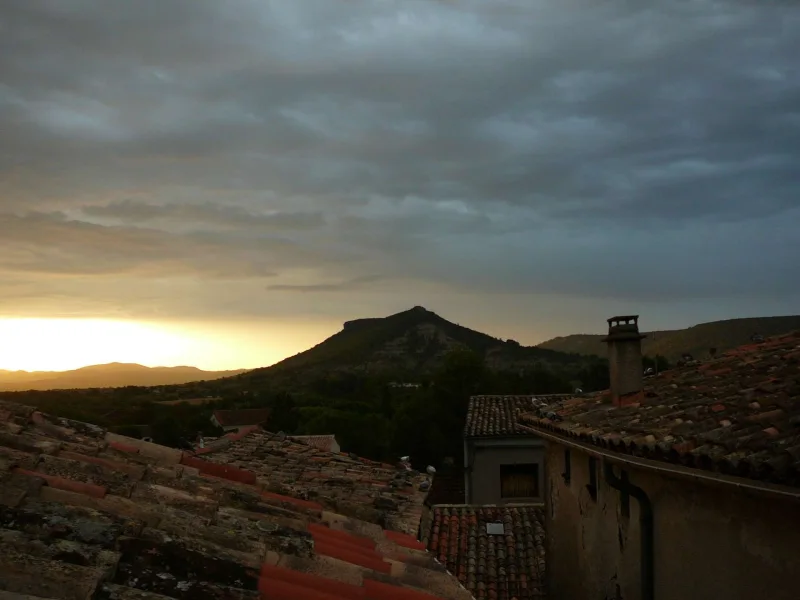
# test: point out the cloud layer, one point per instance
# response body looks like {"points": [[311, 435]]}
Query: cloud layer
{"points": [[226, 159]]}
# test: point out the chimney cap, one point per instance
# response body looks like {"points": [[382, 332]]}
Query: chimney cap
{"points": [[623, 328], [627, 319]]}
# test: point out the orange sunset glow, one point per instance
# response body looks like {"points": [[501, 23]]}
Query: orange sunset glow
{"points": [[61, 344]]}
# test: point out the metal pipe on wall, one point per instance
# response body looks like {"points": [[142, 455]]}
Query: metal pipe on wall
{"points": [[646, 528]]}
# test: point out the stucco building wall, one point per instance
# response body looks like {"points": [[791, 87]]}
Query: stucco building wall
{"points": [[488, 455], [710, 541]]}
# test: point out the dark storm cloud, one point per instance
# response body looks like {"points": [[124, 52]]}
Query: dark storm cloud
{"points": [[578, 148], [133, 211]]}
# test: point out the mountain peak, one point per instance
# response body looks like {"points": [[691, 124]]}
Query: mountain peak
{"points": [[413, 341]]}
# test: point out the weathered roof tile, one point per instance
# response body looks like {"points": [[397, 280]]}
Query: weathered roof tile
{"points": [[143, 526], [496, 416], [736, 414], [505, 566]]}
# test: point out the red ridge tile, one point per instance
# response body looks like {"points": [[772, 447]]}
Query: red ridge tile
{"points": [[228, 472], [275, 589], [329, 547], [376, 590], [404, 540], [243, 431], [123, 447], [271, 574], [68, 485], [343, 543], [315, 528]]}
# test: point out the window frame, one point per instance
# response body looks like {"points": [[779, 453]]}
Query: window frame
{"points": [[535, 471]]}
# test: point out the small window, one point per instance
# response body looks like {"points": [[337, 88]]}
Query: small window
{"points": [[519, 481]]}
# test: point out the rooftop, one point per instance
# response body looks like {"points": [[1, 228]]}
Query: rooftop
{"points": [[345, 483], [496, 416], [87, 514], [241, 417], [323, 442], [507, 565], [737, 414]]}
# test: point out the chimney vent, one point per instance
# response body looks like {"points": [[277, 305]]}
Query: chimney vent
{"points": [[625, 359]]}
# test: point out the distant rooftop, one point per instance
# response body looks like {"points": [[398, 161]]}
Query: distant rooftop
{"points": [[496, 416]]}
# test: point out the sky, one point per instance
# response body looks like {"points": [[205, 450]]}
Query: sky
{"points": [[224, 183]]}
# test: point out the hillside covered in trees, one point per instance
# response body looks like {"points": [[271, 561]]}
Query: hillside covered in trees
{"points": [[672, 344], [385, 387]]}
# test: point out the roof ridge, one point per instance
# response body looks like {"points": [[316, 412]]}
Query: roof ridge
{"points": [[735, 414]]}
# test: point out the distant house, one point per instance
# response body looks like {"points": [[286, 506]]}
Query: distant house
{"points": [[503, 462], [232, 420], [686, 487], [326, 443]]}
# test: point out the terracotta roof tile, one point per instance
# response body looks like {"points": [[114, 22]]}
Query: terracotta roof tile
{"points": [[348, 484], [124, 519], [737, 414], [497, 415], [324, 442], [505, 566]]}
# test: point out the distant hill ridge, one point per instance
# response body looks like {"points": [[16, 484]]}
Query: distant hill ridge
{"points": [[106, 375], [412, 342], [696, 340]]}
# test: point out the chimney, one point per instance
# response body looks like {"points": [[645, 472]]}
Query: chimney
{"points": [[625, 359]]}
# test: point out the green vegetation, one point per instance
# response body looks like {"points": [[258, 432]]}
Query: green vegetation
{"points": [[697, 341], [369, 416], [349, 385]]}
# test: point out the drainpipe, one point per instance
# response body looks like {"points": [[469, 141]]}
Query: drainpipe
{"points": [[627, 489], [469, 459]]}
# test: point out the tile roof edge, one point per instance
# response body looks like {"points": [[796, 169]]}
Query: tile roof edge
{"points": [[514, 505], [704, 475], [493, 396], [452, 575], [521, 434]]}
